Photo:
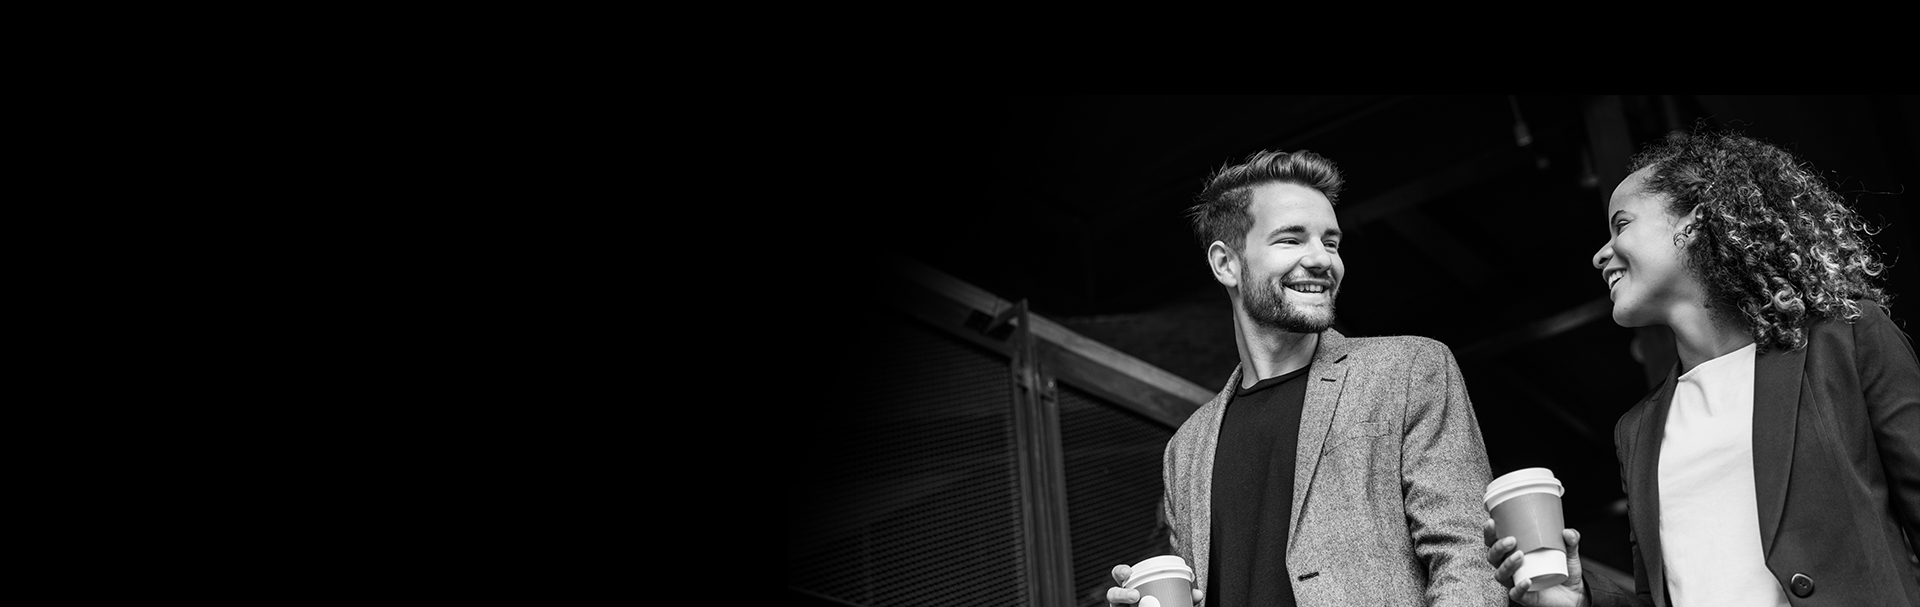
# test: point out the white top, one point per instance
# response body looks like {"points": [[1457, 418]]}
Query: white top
{"points": [[1709, 523]]}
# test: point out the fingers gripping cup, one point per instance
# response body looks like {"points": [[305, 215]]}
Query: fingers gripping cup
{"points": [[1525, 504], [1165, 579]]}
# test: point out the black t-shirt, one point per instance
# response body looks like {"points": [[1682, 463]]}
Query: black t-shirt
{"points": [[1253, 494]]}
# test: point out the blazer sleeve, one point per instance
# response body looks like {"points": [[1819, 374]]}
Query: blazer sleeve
{"points": [[1444, 474], [1890, 384], [1175, 543], [1169, 520]]}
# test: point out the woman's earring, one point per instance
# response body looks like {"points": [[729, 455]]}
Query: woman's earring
{"points": [[1685, 234]]}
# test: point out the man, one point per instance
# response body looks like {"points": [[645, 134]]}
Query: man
{"points": [[1330, 470]]}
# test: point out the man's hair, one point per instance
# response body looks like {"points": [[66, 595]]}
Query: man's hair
{"points": [[1775, 243], [1221, 213]]}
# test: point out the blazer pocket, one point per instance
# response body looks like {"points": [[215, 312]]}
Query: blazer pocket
{"points": [[1361, 431]]}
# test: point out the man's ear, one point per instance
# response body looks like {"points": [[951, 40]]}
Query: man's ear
{"points": [[1224, 264]]}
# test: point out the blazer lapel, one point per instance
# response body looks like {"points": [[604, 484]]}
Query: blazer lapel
{"points": [[1643, 483], [1776, 411], [1327, 378], [1199, 494]]}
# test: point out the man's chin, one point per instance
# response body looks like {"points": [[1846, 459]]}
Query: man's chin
{"points": [[1312, 319], [1298, 322], [1315, 325]]}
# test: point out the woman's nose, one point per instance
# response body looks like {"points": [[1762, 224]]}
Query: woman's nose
{"points": [[1600, 257]]}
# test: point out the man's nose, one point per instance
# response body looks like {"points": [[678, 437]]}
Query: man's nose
{"points": [[1319, 257]]}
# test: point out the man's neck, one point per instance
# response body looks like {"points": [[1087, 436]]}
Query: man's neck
{"points": [[1267, 353]]}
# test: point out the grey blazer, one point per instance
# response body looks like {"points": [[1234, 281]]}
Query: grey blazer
{"points": [[1387, 482]]}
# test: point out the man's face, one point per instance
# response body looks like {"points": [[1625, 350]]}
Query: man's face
{"points": [[1291, 269]]}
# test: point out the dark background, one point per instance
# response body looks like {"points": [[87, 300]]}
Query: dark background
{"points": [[1470, 219]]}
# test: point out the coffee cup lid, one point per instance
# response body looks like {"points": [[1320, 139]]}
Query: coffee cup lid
{"points": [[1524, 474], [1158, 567], [1540, 478]]}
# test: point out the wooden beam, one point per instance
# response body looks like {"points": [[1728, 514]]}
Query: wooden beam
{"points": [[1043, 476], [943, 300]]}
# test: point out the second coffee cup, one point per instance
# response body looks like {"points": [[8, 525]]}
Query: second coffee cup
{"points": [[1525, 504]]}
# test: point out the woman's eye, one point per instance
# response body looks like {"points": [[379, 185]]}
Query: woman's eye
{"points": [[1619, 224]]}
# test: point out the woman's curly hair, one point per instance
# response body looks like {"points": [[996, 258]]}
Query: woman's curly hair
{"points": [[1775, 243]]}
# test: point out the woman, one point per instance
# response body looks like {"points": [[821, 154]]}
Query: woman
{"points": [[1779, 463]]}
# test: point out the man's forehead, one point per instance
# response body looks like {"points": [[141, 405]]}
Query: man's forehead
{"points": [[1290, 198], [1296, 214]]}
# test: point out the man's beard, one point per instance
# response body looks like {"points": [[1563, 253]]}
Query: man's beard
{"points": [[1267, 303]]}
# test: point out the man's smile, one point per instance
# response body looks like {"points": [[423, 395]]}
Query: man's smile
{"points": [[1310, 286]]}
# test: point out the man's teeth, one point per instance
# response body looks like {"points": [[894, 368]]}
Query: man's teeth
{"points": [[1307, 288]]}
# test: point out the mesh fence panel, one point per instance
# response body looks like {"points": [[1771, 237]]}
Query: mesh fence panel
{"points": [[909, 477], [1113, 489]]}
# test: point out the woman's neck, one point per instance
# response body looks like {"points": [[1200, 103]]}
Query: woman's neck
{"points": [[1699, 335]]}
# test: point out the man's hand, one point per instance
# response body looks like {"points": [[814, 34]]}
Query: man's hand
{"points": [[1506, 560], [1123, 596]]}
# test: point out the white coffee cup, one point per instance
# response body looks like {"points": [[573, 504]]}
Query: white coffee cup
{"points": [[1525, 504], [1163, 580]]}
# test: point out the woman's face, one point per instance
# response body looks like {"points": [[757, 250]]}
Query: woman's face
{"points": [[1643, 262]]}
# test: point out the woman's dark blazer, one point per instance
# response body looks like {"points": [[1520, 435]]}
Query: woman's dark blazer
{"points": [[1836, 466]]}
